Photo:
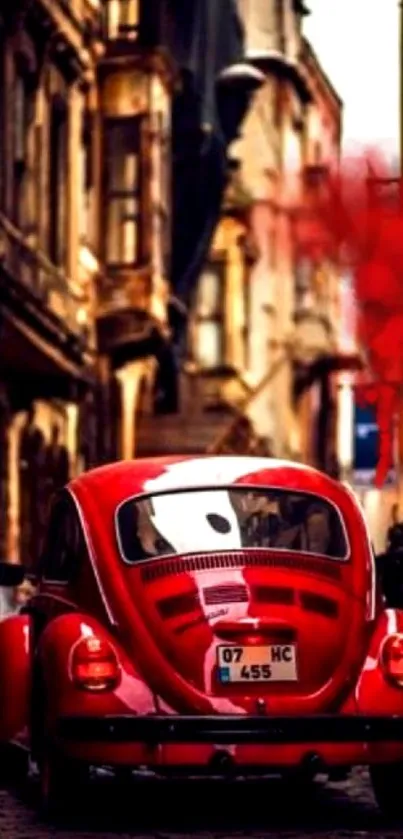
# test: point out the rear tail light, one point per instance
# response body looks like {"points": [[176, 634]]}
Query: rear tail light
{"points": [[392, 658], [94, 665]]}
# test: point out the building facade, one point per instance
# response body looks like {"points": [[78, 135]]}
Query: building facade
{"points": [[48, 229], [87, 97], [85, 236], [136, 83], [282, 335], [84, 231]]}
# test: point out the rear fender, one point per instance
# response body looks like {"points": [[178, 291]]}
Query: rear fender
{"points": [[15, 677], [62, 697], [375, 695]]}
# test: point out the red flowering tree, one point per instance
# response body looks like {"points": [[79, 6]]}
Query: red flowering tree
{"points": [[355, 217]]}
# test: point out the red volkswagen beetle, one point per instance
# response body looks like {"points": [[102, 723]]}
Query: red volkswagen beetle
{"points": [[206, 614]]}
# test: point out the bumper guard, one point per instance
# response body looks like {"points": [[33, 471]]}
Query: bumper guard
{"points": [[217, 729]]}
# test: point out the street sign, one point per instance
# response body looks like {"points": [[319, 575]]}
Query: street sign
{"points": [[365, 446]]}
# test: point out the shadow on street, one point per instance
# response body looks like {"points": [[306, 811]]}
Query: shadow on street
{"points": [[239, 807]]}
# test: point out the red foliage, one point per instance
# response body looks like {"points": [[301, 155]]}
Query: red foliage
{"points": [[356, 217]]}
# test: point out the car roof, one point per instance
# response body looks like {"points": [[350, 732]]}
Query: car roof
{"points": [[118, 481]]}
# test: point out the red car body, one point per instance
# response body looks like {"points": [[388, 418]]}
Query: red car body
{"points": [[195, 614]]}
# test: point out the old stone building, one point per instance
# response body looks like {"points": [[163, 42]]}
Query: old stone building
{"points": [[280, 331], [88, 95], [48, 62], [262, 317]]}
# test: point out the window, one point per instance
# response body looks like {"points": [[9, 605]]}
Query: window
{"points": [[280, 24], [262, 25], [303, 285], [87, 215], [20, 118], [122, 19], [292, 29], [192, 521], [210, 324], [24, 152], [123, 192], [64, 543], [58, 163]]}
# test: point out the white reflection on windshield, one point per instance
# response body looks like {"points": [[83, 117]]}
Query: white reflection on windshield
{"points": [[217, 520]]}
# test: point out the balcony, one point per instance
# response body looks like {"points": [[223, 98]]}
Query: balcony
{"points": [[140, 30], [40, 293], [123, 310]]}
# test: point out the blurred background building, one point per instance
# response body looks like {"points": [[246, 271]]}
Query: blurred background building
{"points": [[155, 157], [48, 229], [263, 337]]}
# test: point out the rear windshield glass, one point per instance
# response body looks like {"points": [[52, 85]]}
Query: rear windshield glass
{"points": [[196, 521]]}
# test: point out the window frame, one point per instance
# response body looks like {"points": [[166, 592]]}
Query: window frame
{"points": [[218, 265], [133, 126], [58, 164], [303, 284], [163, 209], [227, 488], [88, 180], [24, 160]]}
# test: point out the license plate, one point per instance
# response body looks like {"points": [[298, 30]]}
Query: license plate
{"points": [[272, 663]]}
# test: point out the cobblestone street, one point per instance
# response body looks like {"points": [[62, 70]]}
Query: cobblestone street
{"points": [[244, 810]]}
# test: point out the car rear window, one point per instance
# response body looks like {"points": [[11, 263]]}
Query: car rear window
{"points": [[203, 520]]}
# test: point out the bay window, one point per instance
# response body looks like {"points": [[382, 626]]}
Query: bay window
{"points": [[122, 192]]}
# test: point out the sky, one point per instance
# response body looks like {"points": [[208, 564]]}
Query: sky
{"points": [[357, 42]]}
